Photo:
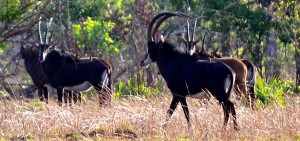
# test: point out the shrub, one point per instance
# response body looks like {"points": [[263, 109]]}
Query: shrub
{"points": [[133, 87], [271, 91]]}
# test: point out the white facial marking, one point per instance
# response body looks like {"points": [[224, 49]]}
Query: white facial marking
{"points": [[45, 54], [193, 50]]}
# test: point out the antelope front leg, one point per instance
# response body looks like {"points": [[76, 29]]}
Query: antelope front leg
{"points": [[59, 96], [185, 110], [45, 91], [172, 108]]}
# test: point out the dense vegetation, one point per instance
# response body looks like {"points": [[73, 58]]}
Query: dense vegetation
{"points": [[267, 33], [264, 32]]}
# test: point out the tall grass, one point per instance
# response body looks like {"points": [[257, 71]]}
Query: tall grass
{"points": [[143, 119]]}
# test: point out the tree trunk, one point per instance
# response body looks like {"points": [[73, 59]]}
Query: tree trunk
{"points": [[224, 43], [271, 65], [150, 78], [297, 58]]}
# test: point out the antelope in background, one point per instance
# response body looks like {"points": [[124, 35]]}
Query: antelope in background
{"points": [[251, 74], [187, 76], [32, 60], [236, 65]]}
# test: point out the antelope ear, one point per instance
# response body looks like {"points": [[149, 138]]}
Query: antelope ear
{"points": [[162, 38]]}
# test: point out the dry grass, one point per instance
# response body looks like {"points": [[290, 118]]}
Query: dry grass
{"points": [[143, 119]]}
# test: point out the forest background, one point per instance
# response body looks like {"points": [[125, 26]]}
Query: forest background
{"points": [[266, 32]]}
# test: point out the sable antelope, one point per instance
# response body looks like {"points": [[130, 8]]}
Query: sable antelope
{"points": [[65, 72], [188, 77], [29, 52], [33, 55], [34, 68], [236, 65], [240, 70], [251, 74]]}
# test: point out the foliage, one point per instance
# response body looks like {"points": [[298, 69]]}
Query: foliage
{"points": [[10, 9], [34, 107], [132, 87], [96, 33], [117, 28], [3, 47], [271, 91], [18, 16]]}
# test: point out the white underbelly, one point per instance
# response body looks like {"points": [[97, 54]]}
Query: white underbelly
{"points": [[200, 95], [80, 87]]}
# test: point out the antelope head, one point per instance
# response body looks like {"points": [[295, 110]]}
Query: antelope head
{"points": [[45, 44], [152, 52]]}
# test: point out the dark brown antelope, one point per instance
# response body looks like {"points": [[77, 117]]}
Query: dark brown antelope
{"points": [[187, 76]]}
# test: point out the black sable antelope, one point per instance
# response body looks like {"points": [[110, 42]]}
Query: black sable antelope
{"points": [[64, 71], [187, 76], [32, 53], [236, 65], [29, 52]]}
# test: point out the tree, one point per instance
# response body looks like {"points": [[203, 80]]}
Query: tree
{"points": [[18, 16]]}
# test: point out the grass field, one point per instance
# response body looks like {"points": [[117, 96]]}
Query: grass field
{"points": [[143, 119]]}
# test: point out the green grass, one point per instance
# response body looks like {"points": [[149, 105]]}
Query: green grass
{"points": [[270, 92]]}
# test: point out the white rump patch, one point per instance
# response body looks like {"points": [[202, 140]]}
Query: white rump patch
{"points": [[80, 87]]}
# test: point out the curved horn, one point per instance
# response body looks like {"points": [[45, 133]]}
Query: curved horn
{"points": [[215, 51], [203, 40], [194, 29], [167, 15], [159, 23], [50, 38], [187, 31], [46, 32], [40, 33]]}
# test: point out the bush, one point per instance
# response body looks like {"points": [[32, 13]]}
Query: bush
{"points": [[272, 90], [132, 87]]}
